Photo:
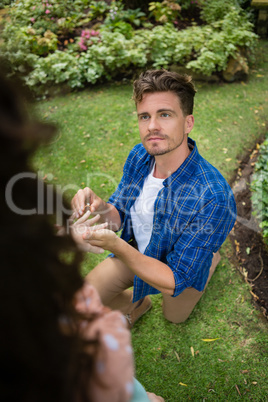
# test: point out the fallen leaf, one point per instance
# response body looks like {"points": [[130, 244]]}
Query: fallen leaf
{"points": [[228, 159], [237, 244], [185, 385], [237, 389], [82, 161], [219, 130], [192, 351], [210, 340], [178, 357]]}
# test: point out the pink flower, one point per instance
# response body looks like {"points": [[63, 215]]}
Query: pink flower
{"points": [[32, 19], [85, 34], [47, 12], [33, 8], [82, 46]]}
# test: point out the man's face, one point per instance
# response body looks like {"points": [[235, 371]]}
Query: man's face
{"points": [[163, 127]]}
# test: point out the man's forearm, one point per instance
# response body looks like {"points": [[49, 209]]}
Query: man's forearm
{"points": [[150, 270]]}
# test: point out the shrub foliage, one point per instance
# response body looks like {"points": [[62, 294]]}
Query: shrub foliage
{"points": [[259, 187], [81, 41]]}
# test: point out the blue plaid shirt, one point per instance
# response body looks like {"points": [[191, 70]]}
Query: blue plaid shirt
{"points": [[193, 214]]}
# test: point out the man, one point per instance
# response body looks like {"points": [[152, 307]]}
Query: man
{"points": [[171, 203]]}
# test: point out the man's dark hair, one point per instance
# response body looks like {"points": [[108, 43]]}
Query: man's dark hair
{"points": [[152, 81]]}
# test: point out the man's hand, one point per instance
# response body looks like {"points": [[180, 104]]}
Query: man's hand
{"points": [[85, 225], [87, 197]]}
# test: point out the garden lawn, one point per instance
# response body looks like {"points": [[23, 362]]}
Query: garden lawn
{"points": [[221, 352]]}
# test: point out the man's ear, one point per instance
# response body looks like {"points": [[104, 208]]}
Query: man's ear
{"points": [[189, 123]]}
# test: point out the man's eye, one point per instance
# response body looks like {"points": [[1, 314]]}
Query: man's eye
{"points": [[144, 117], [165, 114]]}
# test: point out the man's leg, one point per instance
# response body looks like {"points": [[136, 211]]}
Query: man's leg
{"points": [[112, 278], [177, 309]]}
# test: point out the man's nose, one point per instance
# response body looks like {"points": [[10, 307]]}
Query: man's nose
{"points": [[153, 124]]}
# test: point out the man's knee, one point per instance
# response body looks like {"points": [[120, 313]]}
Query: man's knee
{"points": [[175, 317], [110, 278], [178, 309]]}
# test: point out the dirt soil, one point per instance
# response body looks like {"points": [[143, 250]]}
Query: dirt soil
{"points": [[251, 254]]}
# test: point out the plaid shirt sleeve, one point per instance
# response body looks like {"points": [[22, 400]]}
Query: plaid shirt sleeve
{"points": [[191, 257]]}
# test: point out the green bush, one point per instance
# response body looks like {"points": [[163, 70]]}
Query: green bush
{"points": [[44, 43], [259, 187], [4, 3]]}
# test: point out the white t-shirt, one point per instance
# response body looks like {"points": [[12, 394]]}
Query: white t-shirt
{"points": [[142, 211]]}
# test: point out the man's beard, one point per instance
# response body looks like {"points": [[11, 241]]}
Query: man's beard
{"points": [[156, 151]]}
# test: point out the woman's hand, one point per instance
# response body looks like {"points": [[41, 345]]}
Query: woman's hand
{"points": [[103, 238], [83, 226], [154, 398]]}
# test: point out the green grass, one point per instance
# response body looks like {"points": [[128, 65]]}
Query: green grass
{"points": [[97, 129]]}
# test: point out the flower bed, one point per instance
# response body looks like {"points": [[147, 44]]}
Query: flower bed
{"points": [[82, 41]]}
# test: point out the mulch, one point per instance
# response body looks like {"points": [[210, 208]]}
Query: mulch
{"points": [[250, 252]]}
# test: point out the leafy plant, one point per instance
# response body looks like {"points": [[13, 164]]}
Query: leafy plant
{"points": [[122, 27], [4, 3], [117, 14], [98, 9], [259, 187], [166, 11], [134, 17]]}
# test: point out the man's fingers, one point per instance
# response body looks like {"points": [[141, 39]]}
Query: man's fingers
{"points": [[79, 201], [83, 197]]}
